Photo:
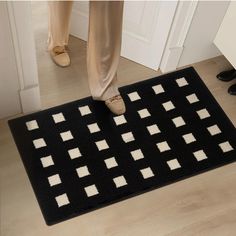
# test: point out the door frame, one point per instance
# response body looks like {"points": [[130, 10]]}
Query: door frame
{"points": [[25, 52], [25, 55], [175, 44]]}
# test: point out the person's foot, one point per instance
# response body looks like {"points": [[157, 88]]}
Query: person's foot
{"points": [[232, 89], [116, 105], [227, 75], [60, 56]]}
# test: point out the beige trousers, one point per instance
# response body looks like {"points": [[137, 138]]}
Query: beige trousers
{"points": [[104, 41]]}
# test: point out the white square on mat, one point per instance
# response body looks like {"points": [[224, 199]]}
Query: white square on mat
{"points": [[47, 161], [31, 125], [203, 113], [38, 143], [200, 155], [59, 117], [178, 121], [134, 96], [168, 105], [214, 129], [110, 163], [62, 200], [91, 190], [119, 120], [137, 154], [120, 181], [144, 113], [101, 145], [93, 128], [74, 153], [163, 146], [147, 172], [158, 89], [54, 179], [225, 146], [153, 129], [84, 110], [181, 82], [66, 136], [189, 138], [173, 164], [82, 171], [127, 137], [192, 98]]}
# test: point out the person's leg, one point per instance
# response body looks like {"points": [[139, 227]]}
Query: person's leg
{"points": [[103, 47], [59, 13]]}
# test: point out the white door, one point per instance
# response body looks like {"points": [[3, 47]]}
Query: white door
{"points": [[146, 25]]}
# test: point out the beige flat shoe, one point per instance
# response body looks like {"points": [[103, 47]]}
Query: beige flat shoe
{"points": [[116, 105], [60, 56]]}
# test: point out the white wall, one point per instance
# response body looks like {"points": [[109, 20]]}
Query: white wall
{"points": [[226, 37], [199, 44], [9, 85]]}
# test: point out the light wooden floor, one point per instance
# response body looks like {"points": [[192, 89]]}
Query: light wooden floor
{"points": [[201, 205]]}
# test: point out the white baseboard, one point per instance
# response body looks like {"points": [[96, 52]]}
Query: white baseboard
{"points": [[30, 99]]}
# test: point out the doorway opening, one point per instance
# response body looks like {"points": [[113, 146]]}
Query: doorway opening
{"points": [[60, 85]]}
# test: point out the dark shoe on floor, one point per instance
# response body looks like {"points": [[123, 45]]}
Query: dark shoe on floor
{"points": [[227, 75], [232, 89]]}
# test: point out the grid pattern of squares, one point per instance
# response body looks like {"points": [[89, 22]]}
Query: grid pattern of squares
{"points": [[164, 135]]}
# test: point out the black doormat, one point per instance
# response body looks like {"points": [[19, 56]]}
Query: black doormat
{"points": [[80, 157]]}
